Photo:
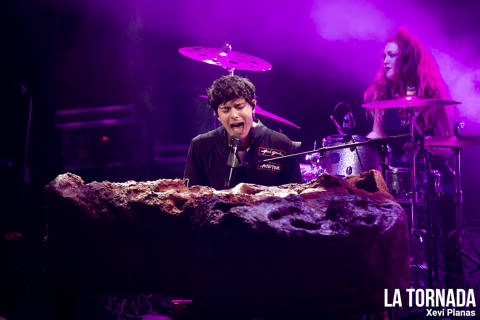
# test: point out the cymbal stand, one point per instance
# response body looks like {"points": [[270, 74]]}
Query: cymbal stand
{"points": [[413, 176], [458, 201], [384, 151], [420, 272], [431, 194], [458, 190], [459, 232], [226, 49]]}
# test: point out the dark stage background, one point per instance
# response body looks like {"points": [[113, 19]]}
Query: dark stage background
{"points": [[76, 54]]}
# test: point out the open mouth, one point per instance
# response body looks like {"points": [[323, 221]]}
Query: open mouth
{"points": [[237, 127]]}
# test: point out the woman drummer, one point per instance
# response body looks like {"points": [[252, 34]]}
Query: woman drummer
{"points": [[409, 69]]}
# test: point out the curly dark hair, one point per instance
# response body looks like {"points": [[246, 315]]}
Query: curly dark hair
{"points": [[227, 88]]}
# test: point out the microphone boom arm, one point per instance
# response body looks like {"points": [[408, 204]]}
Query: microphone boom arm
{"points": [[348, 145]]}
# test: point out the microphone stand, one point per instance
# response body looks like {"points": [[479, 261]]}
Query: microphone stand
{"points": [[232, 161], [347, 145]]}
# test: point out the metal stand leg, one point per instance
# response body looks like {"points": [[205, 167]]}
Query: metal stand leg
{"points": [[417, 236], [420, 233], [459, 215], [458, 201]]}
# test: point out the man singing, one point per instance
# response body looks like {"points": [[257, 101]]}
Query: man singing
{"points": [[232, 99]]}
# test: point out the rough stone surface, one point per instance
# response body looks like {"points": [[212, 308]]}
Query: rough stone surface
{"points": [[323, 246]]}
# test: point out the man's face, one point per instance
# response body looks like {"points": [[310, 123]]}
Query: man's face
{"points": [[236, 116], [390, 57]]}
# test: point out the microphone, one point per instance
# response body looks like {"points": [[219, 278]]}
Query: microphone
{"points": [[348, 122], [232, 160]]}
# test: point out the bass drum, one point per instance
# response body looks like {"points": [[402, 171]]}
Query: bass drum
{"points": [[398, 181], [348, 161]]}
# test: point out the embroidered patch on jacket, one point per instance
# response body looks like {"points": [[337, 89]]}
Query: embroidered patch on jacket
{"points": [[270, 152], [270, 166]]}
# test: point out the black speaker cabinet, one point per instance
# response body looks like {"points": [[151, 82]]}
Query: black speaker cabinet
{"points": [[98, 138]]}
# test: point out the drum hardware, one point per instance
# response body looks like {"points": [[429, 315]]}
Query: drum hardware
{"points": [[348, 122], [424, 266], [226, 58], [348, 145], [314, 167], [362, 166], [456, 143], [315, 158], [410, 102], [335, 123], [385, 152], [398, 181], [352, 160], [433, 182], [417, 237]]}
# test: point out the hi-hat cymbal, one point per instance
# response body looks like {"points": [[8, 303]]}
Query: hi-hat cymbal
{"points": [[453, 141], [226, 59], [407, 102]]}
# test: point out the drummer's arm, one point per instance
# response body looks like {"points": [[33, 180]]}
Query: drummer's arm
{"points": [[443, 127], [377, 131], [443, 124]]}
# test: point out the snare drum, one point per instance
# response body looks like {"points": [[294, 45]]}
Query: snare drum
{"points": [[348, 161]]}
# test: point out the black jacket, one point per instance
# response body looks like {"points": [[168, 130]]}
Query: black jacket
{"points": [[208, 153]]}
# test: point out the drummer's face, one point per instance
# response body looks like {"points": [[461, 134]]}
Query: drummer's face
{"points": [[390, 57], [236, 116]]}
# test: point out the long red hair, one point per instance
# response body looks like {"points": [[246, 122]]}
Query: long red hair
{"points": [[415, 67]]}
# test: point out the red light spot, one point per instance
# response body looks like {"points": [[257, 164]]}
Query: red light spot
{"points": [[105, 138]]}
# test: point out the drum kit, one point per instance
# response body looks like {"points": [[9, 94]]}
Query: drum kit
{"points": [[346, 154]]}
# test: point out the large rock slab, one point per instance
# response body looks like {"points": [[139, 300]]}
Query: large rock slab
{"points": [[323, 246]]}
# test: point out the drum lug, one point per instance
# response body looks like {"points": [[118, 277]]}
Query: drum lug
{"points": [[409, 195], [349, 170]]}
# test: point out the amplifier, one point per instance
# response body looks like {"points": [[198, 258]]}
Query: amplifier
{"points": [[102, 136]]}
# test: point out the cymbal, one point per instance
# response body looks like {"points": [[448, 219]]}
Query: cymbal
{"points": [[226, 59], [259, 111], [453, 141], [408, 101]]}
